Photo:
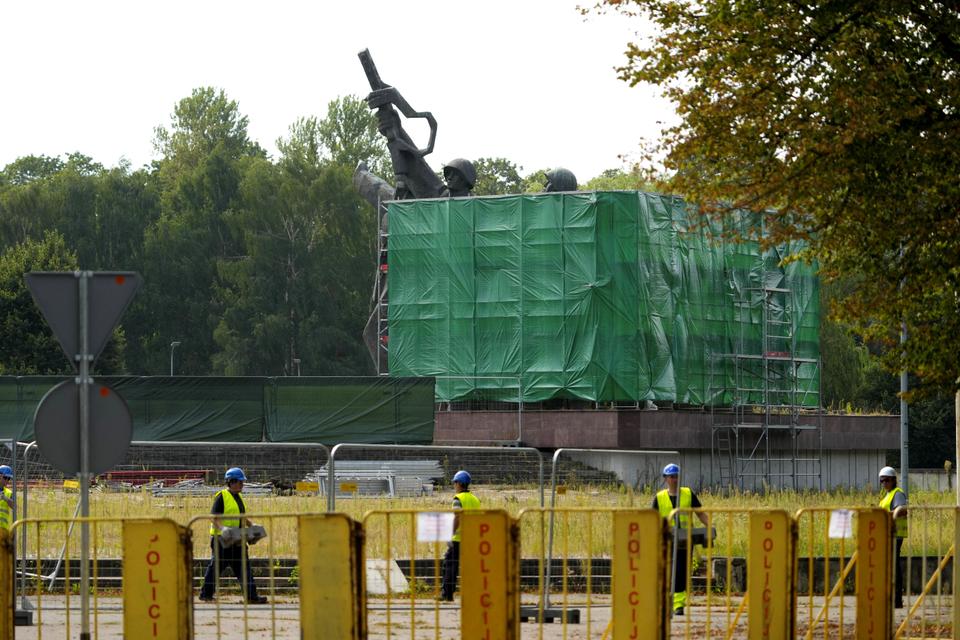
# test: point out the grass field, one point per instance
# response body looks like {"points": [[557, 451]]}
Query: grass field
{"points": [[578, 533]]}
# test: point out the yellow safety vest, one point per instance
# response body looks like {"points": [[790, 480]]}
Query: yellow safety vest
{"points": [[230, 507], [887, 503], [467, 501], [6, 514], [685, 502]]}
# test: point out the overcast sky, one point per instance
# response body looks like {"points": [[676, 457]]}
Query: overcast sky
{"points": [[529, 80]]}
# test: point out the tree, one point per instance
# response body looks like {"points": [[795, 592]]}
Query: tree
{"points": [[616, 179], [840, 120], [299, 289], [497, 176], [27, 345], [29, 168], [201, 123], [349, 134], [205, 151]]}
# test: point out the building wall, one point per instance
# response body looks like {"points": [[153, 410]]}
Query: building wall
{"points": [[849, 469], [853, 447]]}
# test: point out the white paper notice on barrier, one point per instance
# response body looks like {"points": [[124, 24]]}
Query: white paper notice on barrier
{"points": [[434, 527], [841, 523]]}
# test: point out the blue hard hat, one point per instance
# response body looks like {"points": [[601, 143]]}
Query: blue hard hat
{"points": [[6, 471], [671, 470], [462, 477], [235, 473]]}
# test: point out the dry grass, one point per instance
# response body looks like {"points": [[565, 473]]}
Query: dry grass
{"points": [[575, 533]]}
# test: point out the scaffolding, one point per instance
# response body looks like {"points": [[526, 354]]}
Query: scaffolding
{"points": [[380, 292], [766, 414]]}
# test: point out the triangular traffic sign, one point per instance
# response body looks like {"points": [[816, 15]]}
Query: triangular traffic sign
{"points": [[58, 296]]}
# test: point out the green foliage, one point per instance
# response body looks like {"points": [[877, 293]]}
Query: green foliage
{"points": [[620, 179], [29, 168], [349, 134], [840, 120], [535, 182], [200, 124], [497, 176], [298, 289], [27, 346], [844, 361], [250, 264]]}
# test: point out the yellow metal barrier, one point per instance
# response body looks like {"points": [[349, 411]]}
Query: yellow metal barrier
{"points": [[770, 575], [412, 603], [874, 573], [320, 596], [157, 568], [841, 608], [640, 594], [332, 582], [931, 597], [489, 567], [6, 585], [595, 573], [737, 576], [824, 573]]}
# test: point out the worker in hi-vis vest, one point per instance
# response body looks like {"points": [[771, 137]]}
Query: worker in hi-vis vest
{"points": [[451, 560], [8, 510], [677, 497], [228, 505], [895, 500]]}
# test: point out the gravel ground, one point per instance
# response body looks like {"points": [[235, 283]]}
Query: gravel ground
{"points": [[442, 620]]}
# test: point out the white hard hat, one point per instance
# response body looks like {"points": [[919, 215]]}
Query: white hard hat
{"points": [[887, 472]]}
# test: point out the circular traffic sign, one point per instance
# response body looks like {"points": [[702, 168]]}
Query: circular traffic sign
{"points": [[56, 424]]}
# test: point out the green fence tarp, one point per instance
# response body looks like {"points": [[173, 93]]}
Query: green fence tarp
{"points": [[369, 410], [372, 410], [600, 296]]}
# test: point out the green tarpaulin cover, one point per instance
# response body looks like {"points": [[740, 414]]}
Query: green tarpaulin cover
{"points": [[601, 296], [375, 410]]}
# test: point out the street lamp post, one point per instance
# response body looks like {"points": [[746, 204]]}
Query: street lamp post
{"points": [[173, 345], [296, 361]]}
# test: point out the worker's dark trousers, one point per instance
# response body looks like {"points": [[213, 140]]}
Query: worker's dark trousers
{"points": [[898, 572], [679, 578], [451, 567], [230, 558]]}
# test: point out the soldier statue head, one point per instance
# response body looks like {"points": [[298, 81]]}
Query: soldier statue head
{"points": [[561, 179], [460, 176]]}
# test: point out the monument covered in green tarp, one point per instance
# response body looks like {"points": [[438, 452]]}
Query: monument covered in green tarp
{"points": [[599, 296]]}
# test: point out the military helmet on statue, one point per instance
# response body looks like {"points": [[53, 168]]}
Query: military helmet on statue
{"points": [[466, 169], [561, 179]]}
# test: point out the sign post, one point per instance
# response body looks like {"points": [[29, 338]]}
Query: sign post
{"points": [[82, 308]]}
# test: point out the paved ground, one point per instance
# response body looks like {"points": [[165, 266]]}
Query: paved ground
{"points": [[442, 621]]}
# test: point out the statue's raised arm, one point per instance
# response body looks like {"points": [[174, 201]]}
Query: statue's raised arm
{"points": [[413, 179], [413, 176]]}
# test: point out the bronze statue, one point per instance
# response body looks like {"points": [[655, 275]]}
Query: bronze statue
{"points": [[413, 178], [560, 179]]}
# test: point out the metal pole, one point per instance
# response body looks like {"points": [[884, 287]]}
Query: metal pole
{"points": [[520, 413], [956, 466], [173, 345], [545, 595], [676, 540], [17, 473], [904, 423], [84, 386], [24, 601]]}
